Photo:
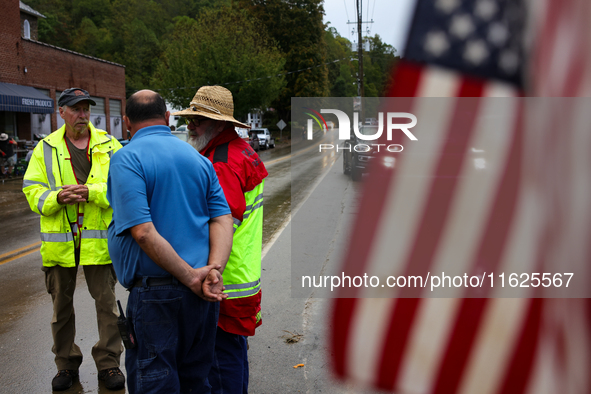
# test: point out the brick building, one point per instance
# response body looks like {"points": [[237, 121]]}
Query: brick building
{"points": [[33, 74]]}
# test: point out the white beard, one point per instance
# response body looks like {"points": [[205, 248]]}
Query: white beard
{"points": [[200, 141]]}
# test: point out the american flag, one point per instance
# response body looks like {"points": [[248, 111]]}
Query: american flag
{"points": [[435, 208]]}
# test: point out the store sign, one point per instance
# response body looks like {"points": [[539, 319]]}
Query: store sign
{"points": [[37, 103]]}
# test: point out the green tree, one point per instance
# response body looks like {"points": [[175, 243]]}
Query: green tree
{"points": [[136, 27], [95, 10], [221, 47], [341, 73], [140, 49], [58, 27], [377, 65], [92, 41], [128, 32], [190, 8], [297, 27]]}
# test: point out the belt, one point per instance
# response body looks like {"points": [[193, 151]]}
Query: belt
{"points": [[156, 281]]}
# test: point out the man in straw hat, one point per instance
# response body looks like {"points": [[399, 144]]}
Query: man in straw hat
{"points": [[170, 239], [242, 176]]}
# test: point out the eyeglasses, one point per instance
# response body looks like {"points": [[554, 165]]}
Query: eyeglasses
{"points": [[196, 121]]}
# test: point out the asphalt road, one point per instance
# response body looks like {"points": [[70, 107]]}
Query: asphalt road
{"points": [[314, 229]]}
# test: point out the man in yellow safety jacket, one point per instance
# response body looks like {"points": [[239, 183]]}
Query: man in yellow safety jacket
{"points": [[242, 176], [66, 184]]}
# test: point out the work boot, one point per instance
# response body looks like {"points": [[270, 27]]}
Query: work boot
{"points": [[64, 379], [113, 378]]}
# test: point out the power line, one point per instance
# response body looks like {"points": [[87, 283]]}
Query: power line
{"points": [[345, 2], [367, 13], [373, 11], [352, 33]]}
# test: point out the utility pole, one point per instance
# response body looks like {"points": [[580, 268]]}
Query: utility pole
{"points": [[360, 89], [360, 47]]}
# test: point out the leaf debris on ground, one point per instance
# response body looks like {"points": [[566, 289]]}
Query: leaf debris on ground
{"points": [[293, 337]]}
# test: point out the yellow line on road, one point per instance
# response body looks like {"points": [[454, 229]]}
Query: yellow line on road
{"points": [[19, 249], [14, 254], [20, 255]]}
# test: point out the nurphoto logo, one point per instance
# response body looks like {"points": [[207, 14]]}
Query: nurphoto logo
{"points": [[392, 120]]}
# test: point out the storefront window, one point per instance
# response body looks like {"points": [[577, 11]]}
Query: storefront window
{"points": [[8, 123], [97, 113]]}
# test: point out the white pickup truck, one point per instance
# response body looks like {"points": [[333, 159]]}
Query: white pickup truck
{"points": [[265, 139]]}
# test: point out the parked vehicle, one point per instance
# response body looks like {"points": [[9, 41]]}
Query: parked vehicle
{"points": [[356, 162], [265, 139], [253, 140], [242, 133], [182, 135]]}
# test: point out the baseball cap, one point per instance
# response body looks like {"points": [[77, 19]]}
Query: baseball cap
{"points": [[72, 96]]}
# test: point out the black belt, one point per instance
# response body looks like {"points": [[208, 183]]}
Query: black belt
{"points": [[156, 281]]}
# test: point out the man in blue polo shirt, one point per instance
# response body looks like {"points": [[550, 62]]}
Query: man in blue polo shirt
{"points": [[169, 240]]}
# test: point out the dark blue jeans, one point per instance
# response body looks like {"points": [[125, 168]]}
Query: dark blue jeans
{"points": [[229, 372], [175, 334]]}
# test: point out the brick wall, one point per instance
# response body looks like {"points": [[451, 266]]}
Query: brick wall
{"points": [[57, 69], [10, 41], [52, 68]]}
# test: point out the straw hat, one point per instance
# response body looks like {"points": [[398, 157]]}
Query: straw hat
{"points": [[214, 102]]}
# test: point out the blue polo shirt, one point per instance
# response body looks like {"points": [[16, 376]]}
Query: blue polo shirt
{"points": [[160, 179]]}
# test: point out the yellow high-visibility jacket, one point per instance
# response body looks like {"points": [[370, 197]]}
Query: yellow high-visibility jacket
{"points": [[49, 169]]}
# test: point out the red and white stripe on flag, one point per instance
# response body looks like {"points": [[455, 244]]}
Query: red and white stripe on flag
{"points": [[530, 213]]}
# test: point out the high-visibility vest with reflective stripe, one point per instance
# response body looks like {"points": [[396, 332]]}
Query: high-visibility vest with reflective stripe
{"points": [[242, 275], [49, 169]]}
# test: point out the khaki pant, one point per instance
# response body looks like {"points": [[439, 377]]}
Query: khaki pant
{"points": [[61, 283]]}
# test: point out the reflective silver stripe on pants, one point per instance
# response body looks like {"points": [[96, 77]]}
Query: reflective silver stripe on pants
{"points": [[98, 234], [47, 154], [243, 285], [42, 201], [243, 293], [27, 183], [57, 237]]}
